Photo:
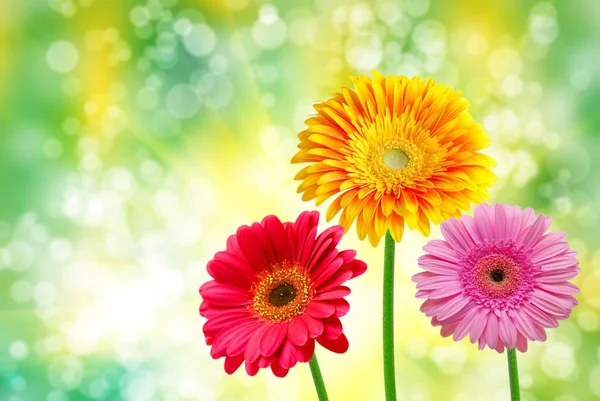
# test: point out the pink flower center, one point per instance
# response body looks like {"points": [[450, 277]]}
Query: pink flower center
{"points": [[497, 276]]}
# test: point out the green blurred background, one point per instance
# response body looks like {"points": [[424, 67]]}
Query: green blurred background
{"points": [[136, 136]]}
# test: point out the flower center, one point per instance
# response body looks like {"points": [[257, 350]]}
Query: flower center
{"points": [[395, 159], [282, 295], [497, 276], [281, 292]]}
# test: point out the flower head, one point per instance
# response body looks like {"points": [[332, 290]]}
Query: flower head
{"points": [[395, 150], [498, 277], [275, 290]]}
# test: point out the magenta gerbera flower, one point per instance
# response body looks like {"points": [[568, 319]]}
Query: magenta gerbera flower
{"points": [[498, 277], [277, 288]]}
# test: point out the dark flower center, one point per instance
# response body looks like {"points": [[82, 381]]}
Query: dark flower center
{"points": [[282, 295], [497, 275]]}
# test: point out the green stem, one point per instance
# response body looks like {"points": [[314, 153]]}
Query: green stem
{"points": [[389, 371], [513, 375], [318, 378]]}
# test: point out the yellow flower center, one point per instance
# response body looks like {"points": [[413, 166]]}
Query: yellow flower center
{"points": [[391, 153], [281, 293], [395, 158]]}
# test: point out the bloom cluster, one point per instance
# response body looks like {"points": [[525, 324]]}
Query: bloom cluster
{"points": [[393, 152]]}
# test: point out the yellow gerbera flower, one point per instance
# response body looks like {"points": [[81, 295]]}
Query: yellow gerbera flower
{"points": [[395, 150]]}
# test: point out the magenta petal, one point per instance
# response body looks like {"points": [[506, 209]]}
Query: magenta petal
{"points": [[252, 249], [297, 332], [305, 352], [357, 267], [251, 368], [314, 326], [339, 345], [223, 294], [230, 274], [273, 338], [339, 278], [320, 310], [252, 351], [277, 236], [278, 370], [341, 307], [333, 328], [339, 292], [232, 363]]}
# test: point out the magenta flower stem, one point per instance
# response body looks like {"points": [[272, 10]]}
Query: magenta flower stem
{"points": [[389, 370], [318, 378], [513, 375]]}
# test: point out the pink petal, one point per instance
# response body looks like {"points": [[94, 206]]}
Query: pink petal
{"points": [[548, 252], [560, 288], [339, 345], [531, 235], [521, 343], [307, 245], [452, 306], [491, 330], [448, 289], [500, 222], [508, 331], [539, 317], [462, 328], [303, 228], [435, 281], [557, 276], [272, 339], [484, 221], [326, 240], [457, 236], [479, 322], [297, 332], [442, 250], [439, 266], [561, 262], [471, 228], [524, 324], [548, 303]]}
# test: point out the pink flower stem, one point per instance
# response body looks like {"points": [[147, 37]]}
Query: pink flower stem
{"points": [[318, 378], [513, 375], [389, 371]]}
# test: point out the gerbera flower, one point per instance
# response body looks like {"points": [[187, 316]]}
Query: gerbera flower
{"points": [[498, 277], [397, 150], [275, 290]]}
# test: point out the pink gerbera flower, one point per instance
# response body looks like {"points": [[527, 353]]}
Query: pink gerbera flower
{"points": [[276, 289], [498, 277]]}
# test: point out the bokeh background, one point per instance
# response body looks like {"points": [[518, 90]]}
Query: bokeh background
{"points": [[136, 136]]}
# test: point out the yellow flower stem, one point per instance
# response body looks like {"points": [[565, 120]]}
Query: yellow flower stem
{"points": [[318, 378], [513, 375], [389, 371]]}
